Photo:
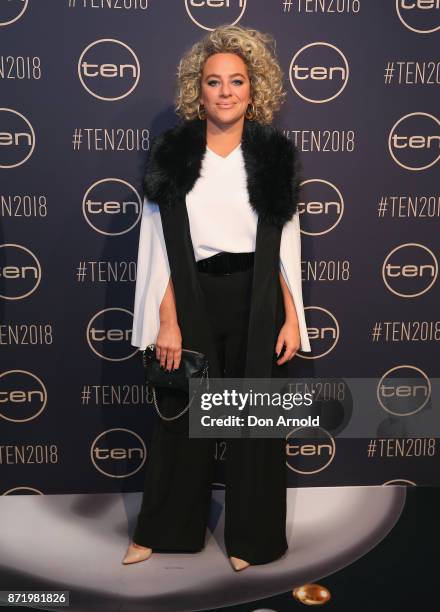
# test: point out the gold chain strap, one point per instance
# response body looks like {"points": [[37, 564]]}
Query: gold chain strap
{"points": [[204, 375], [153, 390]]}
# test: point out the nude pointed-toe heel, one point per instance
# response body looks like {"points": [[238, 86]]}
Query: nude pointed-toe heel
{"points": [[136, 553], [238, 564]]}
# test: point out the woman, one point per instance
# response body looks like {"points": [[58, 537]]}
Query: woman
{"points": [[219, 272]]}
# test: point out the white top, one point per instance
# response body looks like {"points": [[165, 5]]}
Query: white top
{"points": [[221, 219], [219, 212]]}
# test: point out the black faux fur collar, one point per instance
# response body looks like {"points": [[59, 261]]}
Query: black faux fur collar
{"points": [[270, 158]]}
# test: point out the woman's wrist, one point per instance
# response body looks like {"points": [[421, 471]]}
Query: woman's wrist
{"points": [[168, 321], [291, 316]]}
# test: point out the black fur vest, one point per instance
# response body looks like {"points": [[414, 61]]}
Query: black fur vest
{"points": [[271, 165], [270, 158]]}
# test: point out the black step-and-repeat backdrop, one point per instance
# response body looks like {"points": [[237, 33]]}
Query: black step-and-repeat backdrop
{"points": [[85, 86]]}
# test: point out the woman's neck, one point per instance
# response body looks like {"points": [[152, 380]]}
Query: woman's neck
{"points": [[223, 139]]}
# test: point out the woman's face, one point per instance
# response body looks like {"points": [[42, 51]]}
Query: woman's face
{"points": [[225, 88]]}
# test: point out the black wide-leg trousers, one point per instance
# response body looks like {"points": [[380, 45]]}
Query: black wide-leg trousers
{"points": [[180, 470]]}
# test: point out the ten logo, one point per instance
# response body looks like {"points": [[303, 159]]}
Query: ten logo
{"points": [[318, 72], [23, 491], [410, 270], [208, 14], [403, 395], [112, 215], [109, 69], [23, 396], [118, 452], [309, 454], [22, 275], [323, 334], [419, 15], [109, 334], [414, 141], [11, 11], [323, 208], [17, 138]]}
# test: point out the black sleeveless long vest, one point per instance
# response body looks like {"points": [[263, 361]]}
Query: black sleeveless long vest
{"points": [[273, 178]]}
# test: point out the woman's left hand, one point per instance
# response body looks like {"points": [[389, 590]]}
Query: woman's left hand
{"points": [[290, 338]]}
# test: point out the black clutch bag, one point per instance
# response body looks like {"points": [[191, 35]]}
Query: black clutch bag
{"points": [[193, 364]]}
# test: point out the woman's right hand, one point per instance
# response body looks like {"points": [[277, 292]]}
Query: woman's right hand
{"points": [[169, 345]]}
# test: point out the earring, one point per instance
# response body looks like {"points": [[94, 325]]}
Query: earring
{"points": [[198, 112], [250, 115]]}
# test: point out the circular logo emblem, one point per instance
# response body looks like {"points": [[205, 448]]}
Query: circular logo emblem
{"points": [[318, 72], [23, 396], [309, 454], [17, 138], [399, 481], [323, 209], [108, 69], [118, 453], [109, 334], [12, 10], [406, 392], [208, 14], [410, 270], [112, 206], [20, 271], [421, 16], [323, 332], [413, 141], [23, 491]]}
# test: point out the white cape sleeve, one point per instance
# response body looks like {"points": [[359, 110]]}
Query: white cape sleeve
{"points": [[290, 266], [153, 273]]}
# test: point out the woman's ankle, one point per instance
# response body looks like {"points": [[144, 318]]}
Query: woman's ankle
{"points": [[138, 545]]}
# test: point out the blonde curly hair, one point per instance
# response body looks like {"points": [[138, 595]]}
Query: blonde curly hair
{"points": [[254, 47]]}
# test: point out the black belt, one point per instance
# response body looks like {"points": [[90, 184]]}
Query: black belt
{"points": [[226, 263]]}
